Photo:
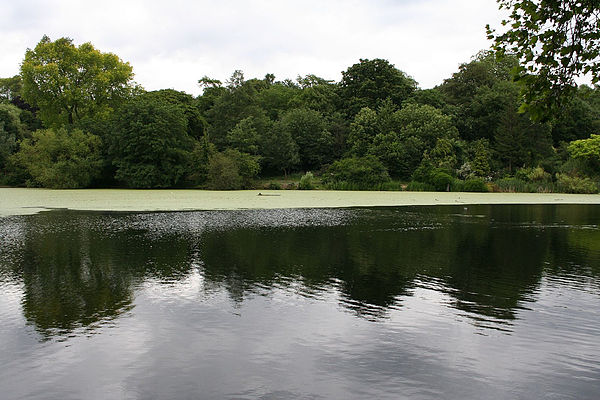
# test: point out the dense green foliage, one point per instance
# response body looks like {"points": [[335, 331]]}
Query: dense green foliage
{"points": [[69, 83], [231, 170], [555, 40], [149, 144], [61, 159], [375, 129], [359, 172]]}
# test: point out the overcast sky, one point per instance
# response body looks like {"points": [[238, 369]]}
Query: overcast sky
{"points": [[172, 44]]}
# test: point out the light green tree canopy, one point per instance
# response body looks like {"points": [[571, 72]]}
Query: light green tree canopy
{"points": [[588, 151], [61, 159], [68, 83]]}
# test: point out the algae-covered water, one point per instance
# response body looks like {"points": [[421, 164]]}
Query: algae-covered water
{"points": [[415, 302], [17, 201]]}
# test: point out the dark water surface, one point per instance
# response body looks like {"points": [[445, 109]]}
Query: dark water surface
{"points": [[484, 302]]}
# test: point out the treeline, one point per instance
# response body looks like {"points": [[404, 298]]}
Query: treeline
{"points": [[74, 118]]}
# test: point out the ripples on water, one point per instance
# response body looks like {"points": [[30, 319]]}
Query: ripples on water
{"points": [[415, 302]]}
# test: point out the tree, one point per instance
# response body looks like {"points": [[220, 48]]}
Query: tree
{"points": [[479, 155], [196, 124], [426, 123], [68, 83], [150, 146], [61, 159], [231, 170], [369, 82], [10, 88], [363, 130], [399, 138], [279, 151], [588, 151], [276, 99], [479, 92], [555, 41], [308, 128], [239, 100], [244, 136], [12, 132], [578, 118], [318, 94]]}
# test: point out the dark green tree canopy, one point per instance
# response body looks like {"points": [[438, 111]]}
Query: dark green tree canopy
{"points": [[308, 128], [68, 83], [555, 41], [369, 82], [150, 146], [196, 124]]}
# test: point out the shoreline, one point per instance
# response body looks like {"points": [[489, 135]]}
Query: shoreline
{"points": [[27, 201]]}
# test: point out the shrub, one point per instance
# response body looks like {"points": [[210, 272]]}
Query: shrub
{"points": [[362, 172], [441, 181], [474, 185], [436, 178], [223, 173], [307, 182], [516, 185], [231, 170], [574, 184], [536, 174], [273, 186], [511, 185]]}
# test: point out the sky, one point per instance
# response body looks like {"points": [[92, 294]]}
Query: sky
{"points": [[174, 43]]}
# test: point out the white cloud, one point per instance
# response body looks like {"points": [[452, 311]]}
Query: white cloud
{"points": [[172, 44]]}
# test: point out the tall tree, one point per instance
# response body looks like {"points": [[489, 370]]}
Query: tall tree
{"points": [[239, 100], [555, 41], [279, 151], [369, 82], [68, 83], [12, 131], [150, 146], [479, 92], [308, 128]]}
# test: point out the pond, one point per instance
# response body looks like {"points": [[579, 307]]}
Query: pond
{"points": [[417, 302]]}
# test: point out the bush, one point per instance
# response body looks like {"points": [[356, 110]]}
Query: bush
{"points": [[474, 185], [574, 184], [441, 181], [536, 174], [511, 185], [232, 170], [223, 173], [307, 182], [362, 173], [516, 185], [435, 178], [273, 186]]}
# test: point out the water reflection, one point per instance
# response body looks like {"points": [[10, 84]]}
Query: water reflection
{"points": [[80, 269]]}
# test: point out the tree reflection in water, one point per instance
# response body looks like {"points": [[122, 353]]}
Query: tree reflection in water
{"points": [[82, 269]]}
